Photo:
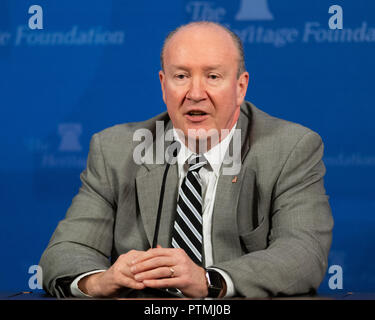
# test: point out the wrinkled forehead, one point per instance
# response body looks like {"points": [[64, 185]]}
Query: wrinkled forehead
{"points": [[201, 45]]}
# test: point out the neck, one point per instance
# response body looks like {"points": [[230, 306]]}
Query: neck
{"points": [[203, 143]]}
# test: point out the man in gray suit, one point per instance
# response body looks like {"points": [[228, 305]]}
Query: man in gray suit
{"points": [[264, 230]]}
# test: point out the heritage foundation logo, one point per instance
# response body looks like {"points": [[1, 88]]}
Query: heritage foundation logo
{"points": [[254, 10], [67, 153], [69, 133], [256, 23]]}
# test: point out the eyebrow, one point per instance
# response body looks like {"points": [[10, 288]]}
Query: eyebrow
{"points": [[206, 68]]}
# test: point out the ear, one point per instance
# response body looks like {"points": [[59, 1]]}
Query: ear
{"points": [[162, 83], [242, 84]]}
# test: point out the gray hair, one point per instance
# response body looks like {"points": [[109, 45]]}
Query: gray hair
{"points": [[236, 40]]}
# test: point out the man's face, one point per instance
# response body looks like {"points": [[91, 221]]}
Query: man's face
{"points": [[199, 83]]}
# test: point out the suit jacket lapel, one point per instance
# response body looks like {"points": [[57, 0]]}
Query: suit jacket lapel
{"points": [[148, 191], [149, 181], [225, 239]]}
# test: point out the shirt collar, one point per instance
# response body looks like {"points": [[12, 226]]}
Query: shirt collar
{"points": [[214, 156]]}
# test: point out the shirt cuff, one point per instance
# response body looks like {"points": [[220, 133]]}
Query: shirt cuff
{"points": [[230, 286], [76, 292]]}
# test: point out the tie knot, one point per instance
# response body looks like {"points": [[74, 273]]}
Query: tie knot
{"points": [[196, 162]]}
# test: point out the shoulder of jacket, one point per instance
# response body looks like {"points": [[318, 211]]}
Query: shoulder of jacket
{"points": [[125, 131], [269, 128]]}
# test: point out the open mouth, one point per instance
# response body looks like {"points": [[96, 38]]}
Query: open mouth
{"points": [[196, 116], [196, 113]]}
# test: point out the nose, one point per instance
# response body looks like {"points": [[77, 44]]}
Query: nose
{"points": [[197, 90]]}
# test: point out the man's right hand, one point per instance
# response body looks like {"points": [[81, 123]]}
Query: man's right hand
{"points": [[109, 283]]}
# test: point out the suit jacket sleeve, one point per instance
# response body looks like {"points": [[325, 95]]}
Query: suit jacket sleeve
{"points": [[299, 237], [82, 242]]}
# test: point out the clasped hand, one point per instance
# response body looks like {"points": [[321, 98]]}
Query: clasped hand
{"points": [[154, 268]]}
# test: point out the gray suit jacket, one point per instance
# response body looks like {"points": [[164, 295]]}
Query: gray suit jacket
{"points": [[271, 232]]}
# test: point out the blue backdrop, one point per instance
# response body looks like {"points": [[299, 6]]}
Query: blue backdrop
{"points": [[94, 64]]}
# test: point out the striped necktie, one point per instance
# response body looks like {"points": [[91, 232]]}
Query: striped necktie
{"points": [[187, 229]]}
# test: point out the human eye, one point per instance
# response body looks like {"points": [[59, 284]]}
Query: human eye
{"points": [[213, 76], [180, 76]]}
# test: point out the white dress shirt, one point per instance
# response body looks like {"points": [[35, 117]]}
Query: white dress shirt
{"points": [[209, 175]]}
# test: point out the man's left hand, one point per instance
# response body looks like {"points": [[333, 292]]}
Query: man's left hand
{"points": [[170, 268]]}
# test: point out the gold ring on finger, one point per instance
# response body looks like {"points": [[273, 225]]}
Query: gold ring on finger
{"points": [[172, 272]]}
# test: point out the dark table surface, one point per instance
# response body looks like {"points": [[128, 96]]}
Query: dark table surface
{"points": [[40, 295]]}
